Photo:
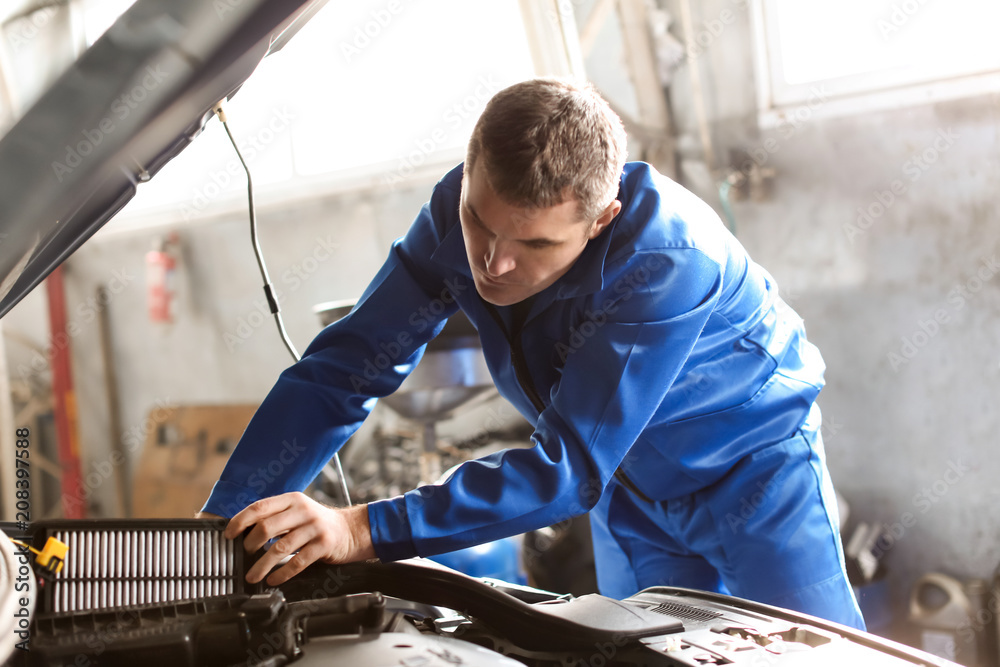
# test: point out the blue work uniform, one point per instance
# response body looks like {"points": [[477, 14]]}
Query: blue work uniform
{"points": [[671, 392]]}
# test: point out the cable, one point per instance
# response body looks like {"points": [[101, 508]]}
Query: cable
{"points": [[272, 302]]}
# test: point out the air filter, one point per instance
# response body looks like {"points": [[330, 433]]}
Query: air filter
{"points": [[119, 563]]}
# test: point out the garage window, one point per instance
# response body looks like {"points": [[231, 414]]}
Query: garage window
{"points": [[862, 55], [371, 92]]}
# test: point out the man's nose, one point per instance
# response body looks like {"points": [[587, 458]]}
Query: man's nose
{"points": [[499, 258]]}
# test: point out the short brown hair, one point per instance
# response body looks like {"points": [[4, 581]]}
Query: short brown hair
{"points": [[545, 141]]}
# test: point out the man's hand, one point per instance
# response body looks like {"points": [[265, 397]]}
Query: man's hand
{"points": [[208, 515], [315, 531]]}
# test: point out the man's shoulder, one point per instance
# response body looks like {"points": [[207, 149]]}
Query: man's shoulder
{"points": [[445, 200], [660, 215]]}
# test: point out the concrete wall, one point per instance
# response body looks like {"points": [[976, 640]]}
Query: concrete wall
{"points": [[903, 303]]}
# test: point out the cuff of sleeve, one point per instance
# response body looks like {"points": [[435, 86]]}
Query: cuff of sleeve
{"points": [[228, 499], [390, 528]]}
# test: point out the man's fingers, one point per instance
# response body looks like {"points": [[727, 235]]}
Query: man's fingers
{"points": [[286, 546], [255, 512], [297, 511], [306, 557], [239, 523], [264, 564], [273, 526]]}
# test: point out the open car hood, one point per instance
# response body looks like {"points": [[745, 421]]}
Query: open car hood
{"points": [[129, 104]]}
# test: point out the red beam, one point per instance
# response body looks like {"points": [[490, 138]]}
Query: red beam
{"points": [[73, 503]]}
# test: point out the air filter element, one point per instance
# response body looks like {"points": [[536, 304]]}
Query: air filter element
{"points": [[118, 563]]}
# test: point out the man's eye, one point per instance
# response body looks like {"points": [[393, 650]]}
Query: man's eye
{"points": [[476, 222]]}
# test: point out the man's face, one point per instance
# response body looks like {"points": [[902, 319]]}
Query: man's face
{"points": [[517, 252]]}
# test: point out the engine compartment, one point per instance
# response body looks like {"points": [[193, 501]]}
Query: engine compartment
{"points": [[198, 611]]}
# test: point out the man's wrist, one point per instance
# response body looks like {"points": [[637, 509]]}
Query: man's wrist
{"points": [[360, 531]]}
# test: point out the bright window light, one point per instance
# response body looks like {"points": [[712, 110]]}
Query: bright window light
{"points": [[854, 47], [98, 15], [374, 89]]}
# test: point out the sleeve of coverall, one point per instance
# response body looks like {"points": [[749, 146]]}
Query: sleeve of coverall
{"points": [[611, 386], [317, 403]]}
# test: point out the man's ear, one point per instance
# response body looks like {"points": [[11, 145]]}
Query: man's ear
{"points": [[604, 219]]}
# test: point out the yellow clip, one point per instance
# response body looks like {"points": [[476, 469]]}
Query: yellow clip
{"points": [[53, 555]]}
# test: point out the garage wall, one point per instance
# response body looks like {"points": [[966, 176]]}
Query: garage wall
{"points": [[883, 233]]}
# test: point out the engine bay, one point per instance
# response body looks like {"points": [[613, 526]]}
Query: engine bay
{"points": [[171, 592]]}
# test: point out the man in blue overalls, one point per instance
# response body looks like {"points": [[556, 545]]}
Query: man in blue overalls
{"points": [[671, 390]]}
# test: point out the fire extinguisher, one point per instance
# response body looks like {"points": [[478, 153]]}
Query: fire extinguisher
{"points": [[160, 289]]}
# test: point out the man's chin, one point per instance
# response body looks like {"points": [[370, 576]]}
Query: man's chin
{"points": [[497, 300], [497, 296]]}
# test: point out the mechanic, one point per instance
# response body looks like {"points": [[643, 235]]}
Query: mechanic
{"points": [[671, 390]]}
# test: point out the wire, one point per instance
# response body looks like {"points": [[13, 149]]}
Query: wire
{"points": [[268, 292], [272, 302]]}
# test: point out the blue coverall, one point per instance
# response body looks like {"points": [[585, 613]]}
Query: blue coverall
{"points": [[664, 354]]}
